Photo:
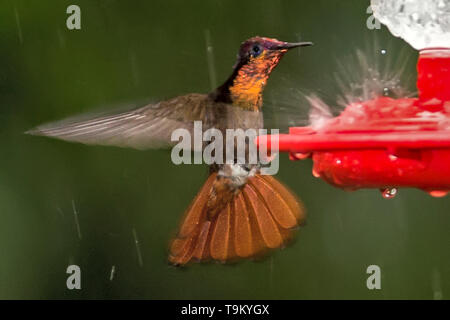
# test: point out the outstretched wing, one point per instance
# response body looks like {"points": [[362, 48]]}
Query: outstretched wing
{"points": [[147, 127]]}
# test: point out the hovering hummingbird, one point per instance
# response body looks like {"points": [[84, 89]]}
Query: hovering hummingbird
{"points": [[238, 213]]}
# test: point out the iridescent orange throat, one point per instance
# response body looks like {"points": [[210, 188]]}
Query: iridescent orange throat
{"points": [[250, 80]]}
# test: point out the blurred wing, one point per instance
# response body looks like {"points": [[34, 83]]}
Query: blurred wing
{"points": [[285, 109], [147, 127]]}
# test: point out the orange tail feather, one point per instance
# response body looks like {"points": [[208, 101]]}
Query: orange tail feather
{"points": [[260, 217]]}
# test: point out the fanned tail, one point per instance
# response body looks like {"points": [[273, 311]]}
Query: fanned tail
{"points": [[261, 216]]}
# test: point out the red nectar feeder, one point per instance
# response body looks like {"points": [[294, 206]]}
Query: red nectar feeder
{"points": [[385, 143]]}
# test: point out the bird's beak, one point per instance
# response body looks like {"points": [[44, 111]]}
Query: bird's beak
{"points": [[291, 45]]}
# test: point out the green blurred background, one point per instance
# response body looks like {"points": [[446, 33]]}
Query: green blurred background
{"points": [[132, 51]]}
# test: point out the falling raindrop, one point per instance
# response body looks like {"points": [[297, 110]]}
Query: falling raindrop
{"points": [[271, 272], [138, 248], [134, 68], [113, 272], [60, 211], [61, 40], [388, 193], [77, 224], [19, 28], [210, 59], [436, 284]]}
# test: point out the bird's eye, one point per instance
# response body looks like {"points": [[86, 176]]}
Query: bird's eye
{"points": [[256, 50]]}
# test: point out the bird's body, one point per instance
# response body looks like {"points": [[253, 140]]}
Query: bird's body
{"points": [[238, 213]]}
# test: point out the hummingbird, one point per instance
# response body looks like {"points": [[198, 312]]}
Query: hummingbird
{"points": [[238, 213]]}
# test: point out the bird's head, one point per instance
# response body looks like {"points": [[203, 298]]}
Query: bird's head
{"points": [[256, 59], [261, 54]]}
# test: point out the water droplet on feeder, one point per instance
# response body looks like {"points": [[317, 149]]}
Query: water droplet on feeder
{"points": [[315, 173], [388, 193], [392, 157], [383, 51], [438, 193], [302, 156]]}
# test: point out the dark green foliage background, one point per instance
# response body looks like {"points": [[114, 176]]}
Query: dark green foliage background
{"points": [[133, 51]]}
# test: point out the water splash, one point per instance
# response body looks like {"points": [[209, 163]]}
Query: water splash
{"points": [[365, 74], [373, 77], [319, 113], [389, 193]]}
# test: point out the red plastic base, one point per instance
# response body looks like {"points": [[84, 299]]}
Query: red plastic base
{"points": [[385, 143]]}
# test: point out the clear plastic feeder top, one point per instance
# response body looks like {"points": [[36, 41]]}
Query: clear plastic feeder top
{"points": [[421, 23]]}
